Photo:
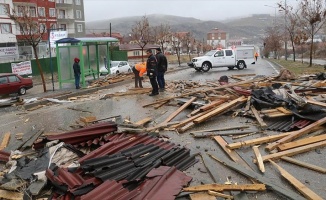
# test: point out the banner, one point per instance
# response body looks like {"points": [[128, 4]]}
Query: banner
{"points": [[8, 51], [22, 68], [57, 35]]}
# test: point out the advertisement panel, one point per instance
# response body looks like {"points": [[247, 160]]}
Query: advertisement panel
{"points": [[8, 51], [22, 68], [57, 35]]}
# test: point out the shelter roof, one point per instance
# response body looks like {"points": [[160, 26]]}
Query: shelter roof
{"points": [[87, 39]]}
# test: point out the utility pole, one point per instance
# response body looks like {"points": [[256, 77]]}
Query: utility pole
{"points": [[285, 33], [51, 66]]}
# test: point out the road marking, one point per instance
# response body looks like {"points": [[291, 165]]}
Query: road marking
{"points": [[273, 67]]}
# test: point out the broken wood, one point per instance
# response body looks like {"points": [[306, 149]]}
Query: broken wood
{"points": [[222, 187], [144, 121], [221, 129], [5, 194], [81, 110], [35, 107], [5, 140], [258, 118], [179, 110], [262, 179], [296, 134], [294, 151], [261, 140], [259, 159], [201, 195], [218, 194], [209, 134], [88, 119], [304, 164], [301, 142], [220, 109], [305, 191]]}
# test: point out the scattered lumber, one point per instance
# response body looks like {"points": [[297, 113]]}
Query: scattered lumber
{"points": [[218, 194], [294, 151], [143, 121], [87, 120], [259, 159], [201, 195], [304, 164], [222, 187], [296, 134], [263, 179], [305, 191], [6, 194], [301, 142], [5, 140], [258, 118], [179, 110]]}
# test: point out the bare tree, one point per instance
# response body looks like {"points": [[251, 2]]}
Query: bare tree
{"points": [[187, 42], [141, 34], [273, 41], [32, 32], [162, 34], [313, 14], [176, 45]]}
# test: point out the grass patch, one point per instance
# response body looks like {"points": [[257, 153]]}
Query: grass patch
{"points": [[299, 67]]}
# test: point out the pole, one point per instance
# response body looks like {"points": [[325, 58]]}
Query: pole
{"points": [[286, 41], [51, 66]]}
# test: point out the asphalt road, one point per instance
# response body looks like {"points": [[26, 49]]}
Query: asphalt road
{"points": [[57, 118]]}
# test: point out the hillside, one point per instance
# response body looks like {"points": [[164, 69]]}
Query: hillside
{"points": [[251, 28]]}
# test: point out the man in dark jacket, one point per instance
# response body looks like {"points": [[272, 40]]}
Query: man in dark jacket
{"points": [[162, 66], [151, 66], [76, 68]]}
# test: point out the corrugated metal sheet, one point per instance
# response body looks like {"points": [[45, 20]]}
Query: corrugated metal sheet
{"points": [[287, 124]]}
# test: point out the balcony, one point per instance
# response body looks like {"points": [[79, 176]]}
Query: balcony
{"points": [[64, 4], [65, 18]]}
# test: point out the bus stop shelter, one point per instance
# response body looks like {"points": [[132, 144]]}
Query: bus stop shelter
{"points": [[93, 52]]}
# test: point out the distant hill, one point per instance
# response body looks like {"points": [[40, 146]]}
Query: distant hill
{"points": [[251, 28]]}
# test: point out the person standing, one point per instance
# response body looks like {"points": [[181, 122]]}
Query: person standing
{"points": [[256, 55], [162, 66], [76, 68], [151, 67], [139, 69]]}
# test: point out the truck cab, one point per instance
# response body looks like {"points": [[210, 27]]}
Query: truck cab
{"points": [[231, 58]]}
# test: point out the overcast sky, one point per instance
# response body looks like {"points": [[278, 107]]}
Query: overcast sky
{"points": [[201, 9]]}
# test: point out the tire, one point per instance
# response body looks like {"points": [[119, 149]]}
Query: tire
{"points": [[117, 72], [241, 65], [231, 68], [198, 69], [22, 91], [129, 70], [206, 66]]}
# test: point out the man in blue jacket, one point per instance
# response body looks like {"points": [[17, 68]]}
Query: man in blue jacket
{"points": [[162, 66], [151, 66], [76, 68]]}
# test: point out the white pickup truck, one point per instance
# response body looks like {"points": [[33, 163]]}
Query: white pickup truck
{"points": [[239, 57]]}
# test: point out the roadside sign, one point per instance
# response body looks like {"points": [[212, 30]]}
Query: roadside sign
{"points": [[21, 68]]}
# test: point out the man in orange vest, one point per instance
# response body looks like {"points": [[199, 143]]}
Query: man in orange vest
{"points": [[256, 55], [139, 69]]}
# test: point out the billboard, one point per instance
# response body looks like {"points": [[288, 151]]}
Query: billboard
{"points": [[8, 51], [21, 68], [57, 35]]}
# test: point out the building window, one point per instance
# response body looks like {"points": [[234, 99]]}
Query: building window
{"points": [[53, 26], [77, 2], [4, 8], [62, 14], [52, 12], [42, 28], [51, 0], [32, 11], [79, 27], [63, 27], [136, 53], [78, 14], [21, 11], [5, 28], [60, 1], [41, 11]]}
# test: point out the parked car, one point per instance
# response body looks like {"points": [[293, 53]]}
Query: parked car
{"points": [[116, 68], [14, 83]]}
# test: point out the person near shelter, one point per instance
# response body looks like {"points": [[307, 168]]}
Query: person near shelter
{"points": [[139, 69], [76, 68], [162, 65], [256, 55], [151, 67]]}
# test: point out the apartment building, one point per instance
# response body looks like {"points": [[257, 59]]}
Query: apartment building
{"points": [[217, 38]]}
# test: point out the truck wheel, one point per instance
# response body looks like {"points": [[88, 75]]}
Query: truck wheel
{"points": [[241, 65], [206, 66]]}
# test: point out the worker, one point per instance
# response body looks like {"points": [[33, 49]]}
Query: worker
{"points": [[139, 69], [256, 55]]}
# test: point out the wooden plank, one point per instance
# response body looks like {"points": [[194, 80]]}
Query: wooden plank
{"points": [[302, 142], [5, 140], [201, 196], [211, 105], [316, 103], [259, 159], [262, 179], [220, 129], [294, 151], [207, 90], [305, 191], [218, 194], [304, 164], [278, 114], [179, 110], [143, 121], [261, 140], [5, 194], [258, 118], [186, 121], [223, 187], [220, 109], [284, 110], [296, 134], [88, 119]]}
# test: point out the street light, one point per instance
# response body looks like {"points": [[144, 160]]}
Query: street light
{"points": [[274, 13]]}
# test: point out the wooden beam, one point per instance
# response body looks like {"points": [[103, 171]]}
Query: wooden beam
{"points": [[186, 121], [261, 140], [294, 151], [5, 194], [201, 195], [220, 129], [258, 118], [259, 159], [316, 103], [262, 179], [211, 105], [296, 134], [218, 194], [302, 142], [305, 191], [5, 140], [220, 109], [222, 187], [175, 113], [144, 121], [304, 164]]}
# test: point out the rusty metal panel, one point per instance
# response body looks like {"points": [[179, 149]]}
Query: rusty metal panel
{"points": [[4, 156]]}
